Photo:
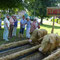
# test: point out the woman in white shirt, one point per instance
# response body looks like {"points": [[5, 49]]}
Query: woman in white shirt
{"points": [[6, 28]]}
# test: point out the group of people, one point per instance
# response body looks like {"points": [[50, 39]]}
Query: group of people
{"points": [[10, 27], [30, 26]]}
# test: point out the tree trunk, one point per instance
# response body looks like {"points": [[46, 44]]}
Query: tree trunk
{"points": [[41, 21], [57, 21], [52, 31]]}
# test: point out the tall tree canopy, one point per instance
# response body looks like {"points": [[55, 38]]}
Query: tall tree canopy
{"points": [[5, 4], [39, 7], [11, 6]]}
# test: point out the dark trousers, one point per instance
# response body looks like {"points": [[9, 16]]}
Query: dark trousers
{"points": [[0, 27], [21, 30], [11, 30]]}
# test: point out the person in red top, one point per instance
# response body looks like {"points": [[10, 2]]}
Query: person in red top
{"points": [[33, 26]]}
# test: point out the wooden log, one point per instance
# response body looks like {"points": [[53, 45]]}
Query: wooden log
{"points": [[13, 44], [20, 53], [53, 56]]}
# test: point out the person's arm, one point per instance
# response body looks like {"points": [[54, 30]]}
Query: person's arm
{"points": [[25, 23], [7, 25], [21, 22]]}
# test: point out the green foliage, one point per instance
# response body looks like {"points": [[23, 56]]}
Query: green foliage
{"points": [[38, 7], [5, 4], [56, 20], [10, 6]]}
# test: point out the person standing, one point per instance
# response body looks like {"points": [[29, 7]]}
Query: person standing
{"points": [[28, 28], [6, 28], [0, 23], [11, 26], [15, 26], [22, 26], [33, 26]]}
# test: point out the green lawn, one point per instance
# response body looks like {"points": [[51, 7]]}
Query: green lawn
{"points": [[49, 28], [44, 26]]}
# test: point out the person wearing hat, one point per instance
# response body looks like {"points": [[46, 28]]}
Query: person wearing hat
{"points": [[6, 28], [22, 26], [28, 28]]}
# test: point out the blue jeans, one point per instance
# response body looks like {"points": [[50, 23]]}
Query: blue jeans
{"points": [[5, 33], [22, 30]]}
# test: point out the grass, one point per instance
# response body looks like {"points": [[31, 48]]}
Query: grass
{"points": [[44, 26], [49, 28]]}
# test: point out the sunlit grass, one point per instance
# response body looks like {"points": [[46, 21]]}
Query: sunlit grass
{"points": [[49, 28]]}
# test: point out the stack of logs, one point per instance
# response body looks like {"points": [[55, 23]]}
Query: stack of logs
{"points": [[46, 43]]}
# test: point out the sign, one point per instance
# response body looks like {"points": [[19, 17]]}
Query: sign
{"points": [[53, 11]]}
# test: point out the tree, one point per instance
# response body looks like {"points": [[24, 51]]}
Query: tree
{"points": [[38, 7], [5, 4], [11, 6]]}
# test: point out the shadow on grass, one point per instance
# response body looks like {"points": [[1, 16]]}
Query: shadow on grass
{"points": [[13, 39], [50, 26]]}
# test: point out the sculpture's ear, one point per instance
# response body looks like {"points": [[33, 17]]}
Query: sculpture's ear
{"points": [[50, 41]]}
